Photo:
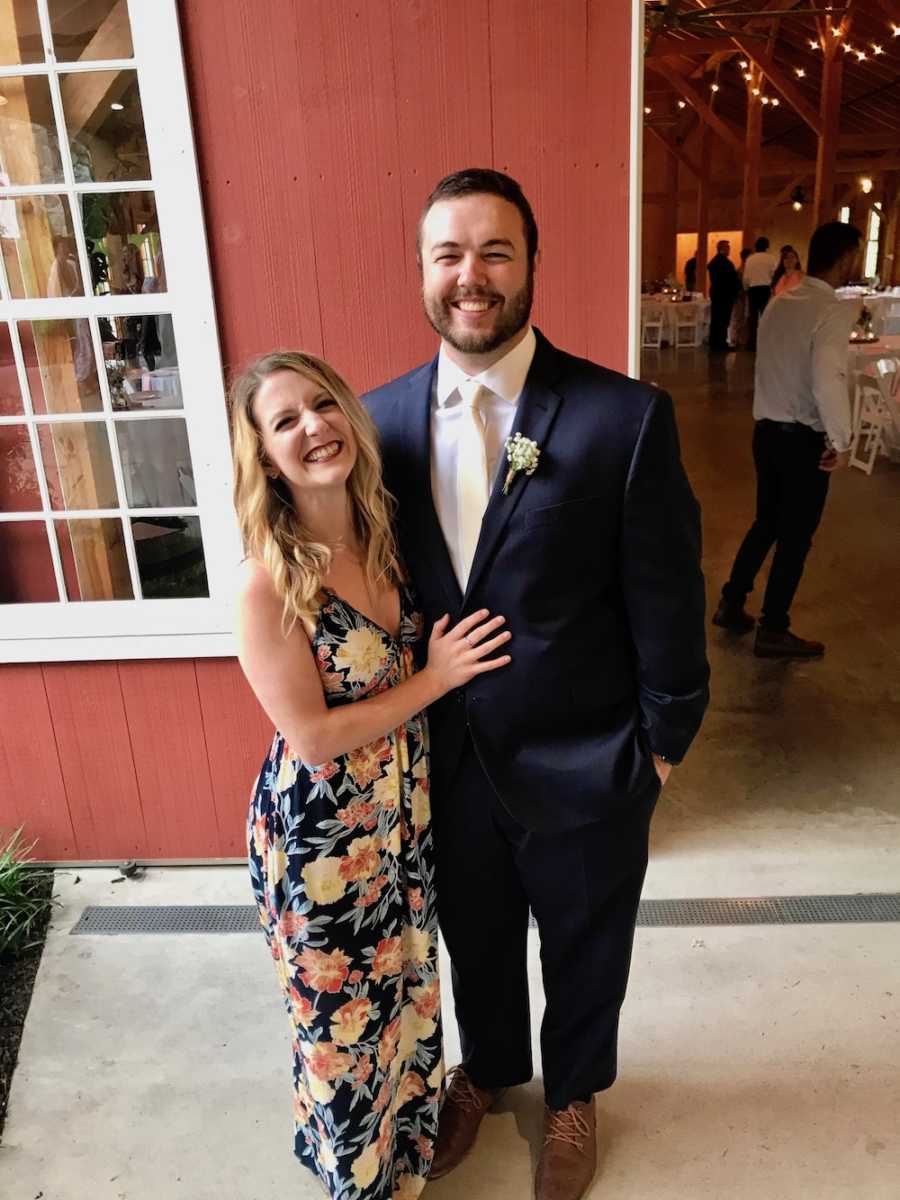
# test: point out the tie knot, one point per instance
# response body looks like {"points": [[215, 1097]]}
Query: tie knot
{"points": [[471, 392]]}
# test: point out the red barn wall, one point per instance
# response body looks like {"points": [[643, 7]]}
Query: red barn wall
{"points": [[320, 128]]}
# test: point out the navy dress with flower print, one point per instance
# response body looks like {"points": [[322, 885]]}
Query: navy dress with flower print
{"points": [[342, 870]]}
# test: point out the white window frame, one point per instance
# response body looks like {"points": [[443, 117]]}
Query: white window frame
{"points": [[122, 629]]}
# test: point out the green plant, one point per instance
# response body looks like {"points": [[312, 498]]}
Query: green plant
{"points": [[25, 897]]}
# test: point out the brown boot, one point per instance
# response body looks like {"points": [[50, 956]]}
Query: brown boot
{"points": [[568, 1160], [462, 1112]]}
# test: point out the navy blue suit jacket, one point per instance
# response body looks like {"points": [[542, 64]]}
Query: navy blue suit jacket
{"points": [[594, 560]]}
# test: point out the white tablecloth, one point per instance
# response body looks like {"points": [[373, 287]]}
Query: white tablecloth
{"points": [[884, 307], [698, 310], [863, 358]]}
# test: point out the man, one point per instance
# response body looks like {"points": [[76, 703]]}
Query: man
{"points": [[544, 774], [803, 431], [758, 271], [724, 285], [690, 274]]}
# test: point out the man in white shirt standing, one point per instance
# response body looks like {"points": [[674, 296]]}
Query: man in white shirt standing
{"points": [[803, 431], [758, 271]]}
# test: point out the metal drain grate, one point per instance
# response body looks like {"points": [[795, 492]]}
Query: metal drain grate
{"points": [[653, 914], [172, 918]]}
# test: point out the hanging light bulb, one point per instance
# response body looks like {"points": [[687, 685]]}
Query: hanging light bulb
{"points": [[866, 184], [774, 101], [895, 29], [765, 99], [647, 110], [748, 76], [801, 74], [798, 196], [861, 56], [756, 91], [743, 64], [682, 104], [835, 31], [714, 87]]}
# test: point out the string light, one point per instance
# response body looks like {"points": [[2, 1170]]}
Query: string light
{"points": [[801, 74], [774, 101], [756, 91], [835, 31], [714, 87], [895, 29], [748, 76], [814, 45], [743, 64], [765, 99], [647, 109], [847, 47], [861, 56], [877, 49], [682, 104]]}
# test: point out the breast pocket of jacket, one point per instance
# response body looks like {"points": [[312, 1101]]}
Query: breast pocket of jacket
{"points": [[572, 515]]}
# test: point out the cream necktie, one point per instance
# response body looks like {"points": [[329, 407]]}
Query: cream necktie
{"points": [[471, 473]]}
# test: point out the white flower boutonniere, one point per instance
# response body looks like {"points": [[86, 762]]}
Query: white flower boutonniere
{"points": [[522, 454]]}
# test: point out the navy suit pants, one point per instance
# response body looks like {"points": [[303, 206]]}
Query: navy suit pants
{"points": [[583, 887]]}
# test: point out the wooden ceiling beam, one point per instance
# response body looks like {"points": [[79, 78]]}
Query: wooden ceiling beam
{"points": [[789, 91], [670, 47], [676, 151], [723, 129]]}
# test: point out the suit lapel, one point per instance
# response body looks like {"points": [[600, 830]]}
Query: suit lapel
{"points": [[420, 514], [534, 417]]}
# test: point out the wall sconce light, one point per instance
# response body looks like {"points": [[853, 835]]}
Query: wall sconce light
{"points": [[798, 198]]}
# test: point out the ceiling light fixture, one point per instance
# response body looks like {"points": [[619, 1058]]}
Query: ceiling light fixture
{"points": [[117, 107], [866, 184]]}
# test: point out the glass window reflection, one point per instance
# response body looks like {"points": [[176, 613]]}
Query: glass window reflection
{"points": [[27, 577], [29, 146], [94, 560], [156, 463], [170, 557], [10, 395], [105, 124], [59, 360], [123, 242], [19, 490], [38, 244], [141, 362], [90, 29], [21, 40], [78, 465]]}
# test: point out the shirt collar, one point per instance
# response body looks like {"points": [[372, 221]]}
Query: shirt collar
{"points": [[506, 378], [819, 284]]}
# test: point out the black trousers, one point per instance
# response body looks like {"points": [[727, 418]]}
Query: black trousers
{"points": [[757, 299], [719, 319], [790, 498], [583, 888]]}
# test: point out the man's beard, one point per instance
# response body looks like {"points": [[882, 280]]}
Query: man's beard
{"points": [[513, 318]]}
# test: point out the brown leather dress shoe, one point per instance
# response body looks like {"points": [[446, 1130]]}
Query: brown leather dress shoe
{"points": [[770, 644], [463, 1111], [568, 1160]]}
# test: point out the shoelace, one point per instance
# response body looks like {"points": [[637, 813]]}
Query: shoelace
{"points": [[462, 1091], [567, 1126]]}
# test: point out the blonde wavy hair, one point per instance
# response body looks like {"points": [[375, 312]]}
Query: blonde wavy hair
{"points": [[270, 526]]}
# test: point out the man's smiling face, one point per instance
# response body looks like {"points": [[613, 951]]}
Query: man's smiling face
{"points": [[477, 282]]}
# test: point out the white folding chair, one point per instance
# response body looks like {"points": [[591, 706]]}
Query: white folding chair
{"points": [[890, 319], [687, 327], [871, 415], [651, 327]]}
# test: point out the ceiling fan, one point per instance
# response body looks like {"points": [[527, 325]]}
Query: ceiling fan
{"points": [[667, 16]]}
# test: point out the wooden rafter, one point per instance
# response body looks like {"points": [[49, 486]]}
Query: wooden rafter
{"points": [[675, 150], [723, 129], [789, 91]]}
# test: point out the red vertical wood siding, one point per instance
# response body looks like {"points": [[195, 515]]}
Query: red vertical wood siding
{"points": [[321, 126]]}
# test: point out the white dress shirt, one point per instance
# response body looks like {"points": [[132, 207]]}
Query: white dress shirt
{"points": [[759, 269], [801, 360], [504, 381]]}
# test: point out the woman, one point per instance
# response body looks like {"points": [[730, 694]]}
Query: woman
{"points": [[738, 328], [788, 273], [339, 828]]}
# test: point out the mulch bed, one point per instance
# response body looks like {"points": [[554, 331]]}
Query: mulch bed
{"points": [[17, 973]]}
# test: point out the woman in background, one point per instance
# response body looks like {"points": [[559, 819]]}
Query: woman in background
{"points": [[789, 272]]}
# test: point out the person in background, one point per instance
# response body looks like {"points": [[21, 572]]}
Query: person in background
{"points": [[690, 274], [737, 329], [803, 430], [758, 271], [724, 286], [788, 273]]}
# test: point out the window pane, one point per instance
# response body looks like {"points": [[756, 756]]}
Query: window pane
{"points": [[20, 35], [122, 232], [39, 247], [170, 557], [95, 565], [141, 362], [29, 147], [90, 31], [27, 575], [59, 359], [156, 463], [18, 477], [10, 396], [78, 465], [106, 125]]}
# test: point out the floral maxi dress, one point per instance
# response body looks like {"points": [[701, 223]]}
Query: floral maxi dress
{"points": [[342, 870]]}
